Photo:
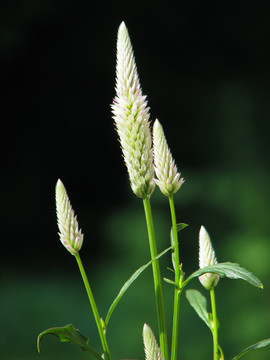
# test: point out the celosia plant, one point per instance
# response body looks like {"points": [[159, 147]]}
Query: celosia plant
{"points": [[143, 161]]}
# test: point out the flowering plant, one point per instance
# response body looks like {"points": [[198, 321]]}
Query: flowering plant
{"points": [[149, 163]]}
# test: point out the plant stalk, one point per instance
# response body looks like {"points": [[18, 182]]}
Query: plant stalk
{"points": [[214, 326], [157, 279], [98, 320], [177, 291]]}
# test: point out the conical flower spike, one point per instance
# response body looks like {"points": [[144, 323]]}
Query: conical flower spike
{"points": [[151, 349], [131, 116], [168, 178], [70, 235], [207, 257]]}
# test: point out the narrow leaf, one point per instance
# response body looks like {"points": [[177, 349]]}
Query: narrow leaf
{"points": [[70, 334], [180, 227], [199, 304], [258, 345], [128, 283], [227, 269], [171, 282]]}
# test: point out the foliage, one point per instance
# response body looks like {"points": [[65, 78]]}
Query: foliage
{"points": [[148, 164]]}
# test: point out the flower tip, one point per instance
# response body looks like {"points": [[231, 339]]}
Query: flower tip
{"points": [[156, 123], [202, 231], [151, 348], [146, 329], [59, 188], [207, 257], [168, 177], [122, 27], [58, 183], [157, 128], [70, 235]]}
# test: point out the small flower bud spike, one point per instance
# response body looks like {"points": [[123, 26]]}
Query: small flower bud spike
{"points": [[70, 235], [207, 257], [168, 178], [151, 349], [131, 117]]}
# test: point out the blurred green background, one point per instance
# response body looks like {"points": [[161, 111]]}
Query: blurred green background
{"points": [[205, 70]]}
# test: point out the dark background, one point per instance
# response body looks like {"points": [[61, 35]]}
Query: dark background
{"points": [[205, 70]]}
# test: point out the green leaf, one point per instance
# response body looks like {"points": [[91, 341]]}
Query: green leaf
{"points": [[128, 283], [258, 345], [180, 227], [70, 334], [227, 269], [199, 304], [171, 282]]}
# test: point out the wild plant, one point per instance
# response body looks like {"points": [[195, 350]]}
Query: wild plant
{"points": [[149, 164]]}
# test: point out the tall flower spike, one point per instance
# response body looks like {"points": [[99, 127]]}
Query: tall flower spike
{"points": [[131, 117], [207, 257], [168, 178], [70, 235], [151, 349]]}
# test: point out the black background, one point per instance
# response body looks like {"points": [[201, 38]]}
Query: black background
{"points": [[57, 76]]}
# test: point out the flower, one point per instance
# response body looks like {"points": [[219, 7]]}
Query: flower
{"points": [[131, 118], [70, 235], [168, 178], [207, 257], [151, 348]]}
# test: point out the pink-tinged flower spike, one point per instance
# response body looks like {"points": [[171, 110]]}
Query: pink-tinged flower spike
{"points": [[151, 348], [131, 117], [70, 235], [207, 257], [168, 178]]}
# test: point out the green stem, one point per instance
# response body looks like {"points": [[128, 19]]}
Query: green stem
{"points": [[98, 320], [157, 279], [214, 325], [177, 291]]}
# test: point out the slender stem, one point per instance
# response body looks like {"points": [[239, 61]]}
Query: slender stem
{"points": [[157, 279], [214, 325], [98, 320], [177, 282]]}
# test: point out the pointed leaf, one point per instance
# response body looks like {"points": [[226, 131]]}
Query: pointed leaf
{"points": [[128, 283], [258, 345], [199, 304], [180, 227], [70, 334], [171, 282], [227, 269]]}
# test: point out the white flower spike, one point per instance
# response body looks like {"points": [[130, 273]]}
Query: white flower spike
{"points": [[70, 235], [168, 178], [207, 257], [131, 117], [151, 348]]}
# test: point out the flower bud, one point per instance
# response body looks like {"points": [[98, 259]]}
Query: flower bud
{"points": [[70, 235], [151, 348], [131, 117], [206, 258], [168, 178]]}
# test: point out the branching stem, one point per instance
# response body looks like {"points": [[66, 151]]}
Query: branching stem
{"points": [[157, 279], [98, 320], [177, 291]]}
